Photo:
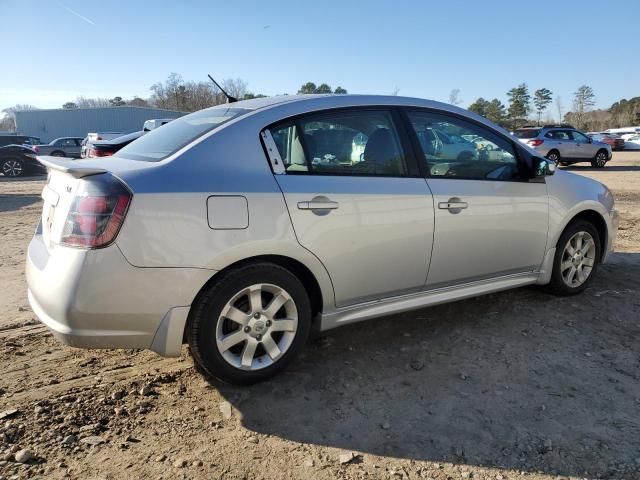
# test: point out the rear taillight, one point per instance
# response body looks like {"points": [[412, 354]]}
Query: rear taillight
{"points": [[535, 142], [35, 149], [96, 152], [97, 212]]}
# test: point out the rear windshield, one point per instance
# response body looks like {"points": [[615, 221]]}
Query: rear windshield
{"points": [[162, 142], [527, 133]]}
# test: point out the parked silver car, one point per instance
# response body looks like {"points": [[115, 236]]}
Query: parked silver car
{"points": [[61, 147], [565, 145], [240, 228]]}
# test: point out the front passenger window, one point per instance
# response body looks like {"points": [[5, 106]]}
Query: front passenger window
{"points": [[479, 154]]}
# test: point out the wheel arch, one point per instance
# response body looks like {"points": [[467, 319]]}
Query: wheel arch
{"points": [[300, 270], [598, 221], [553, 150]]}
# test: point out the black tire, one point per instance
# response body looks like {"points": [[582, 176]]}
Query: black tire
{"points": [[206, 310], [58, 153], [600, 160], [12, 167], [558, 285], [554, 156]]}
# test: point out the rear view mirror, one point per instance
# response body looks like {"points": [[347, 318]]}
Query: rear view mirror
{"points": [[542, 167]]}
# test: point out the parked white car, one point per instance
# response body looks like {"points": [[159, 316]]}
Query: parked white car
{"points": [[96, 137], [632, 142]]}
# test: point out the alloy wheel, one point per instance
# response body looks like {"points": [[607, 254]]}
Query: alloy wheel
{"points": [[256, 326], [554, 157], [12, 168], [601, 159], [578, 259]]}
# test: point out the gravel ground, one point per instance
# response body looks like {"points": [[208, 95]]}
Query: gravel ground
{"points": [[512, 385]]}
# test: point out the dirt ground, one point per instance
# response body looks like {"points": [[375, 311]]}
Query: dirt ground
{"points": [[512, 385]]}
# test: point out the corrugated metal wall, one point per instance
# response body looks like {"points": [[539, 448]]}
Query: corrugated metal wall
{"points": [[77, 122]]}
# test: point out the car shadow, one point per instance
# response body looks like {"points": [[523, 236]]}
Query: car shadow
{"points": [[29, 178], [607, 168], [16, 201], [519, 380]]}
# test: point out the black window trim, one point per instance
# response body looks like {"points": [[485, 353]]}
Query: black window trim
{"points": [[523, 166], [411, 161]]}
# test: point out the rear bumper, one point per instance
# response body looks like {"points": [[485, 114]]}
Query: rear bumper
{"points": [[96, 299]]}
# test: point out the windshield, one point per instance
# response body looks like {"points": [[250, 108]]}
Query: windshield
{"points": [[527, 133], [162, 142]]}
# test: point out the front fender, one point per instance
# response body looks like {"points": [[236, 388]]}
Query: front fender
{"points": [[571, 194]]}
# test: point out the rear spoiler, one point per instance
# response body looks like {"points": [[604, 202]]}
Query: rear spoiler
{"points": [[71, 167]]}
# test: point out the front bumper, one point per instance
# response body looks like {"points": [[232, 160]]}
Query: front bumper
{"points": [[96, 299], [614, 222]]}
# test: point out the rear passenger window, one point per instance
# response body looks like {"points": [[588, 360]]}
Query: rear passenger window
{"points": [[558, 135], [341, 143]]}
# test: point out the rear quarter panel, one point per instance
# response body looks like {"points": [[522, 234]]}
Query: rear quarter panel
{"points": [[167, 224]]}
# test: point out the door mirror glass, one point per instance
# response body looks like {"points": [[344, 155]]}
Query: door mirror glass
{"points": [[543, 167]]}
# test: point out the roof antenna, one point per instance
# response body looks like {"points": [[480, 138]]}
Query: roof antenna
{"points": [[230, 99]]}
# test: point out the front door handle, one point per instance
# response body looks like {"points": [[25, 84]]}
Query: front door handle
{"points": [[454, 205]]}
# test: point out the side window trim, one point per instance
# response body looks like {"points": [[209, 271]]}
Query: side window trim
{"points": [[270, 148], [522, 166]]}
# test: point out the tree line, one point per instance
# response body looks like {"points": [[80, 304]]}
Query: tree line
{"points": [[522, 104], [174, 93]]}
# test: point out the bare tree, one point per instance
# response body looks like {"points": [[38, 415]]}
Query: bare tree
{"points": [[84, 102], [8, 122], [454, 97], [395, 91], [560, 108], [236, 87]]}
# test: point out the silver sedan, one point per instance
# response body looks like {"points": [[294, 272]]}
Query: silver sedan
{"points": [[242, 227]]}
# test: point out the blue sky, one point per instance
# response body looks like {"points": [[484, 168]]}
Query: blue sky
{"points": [[62, 49]]}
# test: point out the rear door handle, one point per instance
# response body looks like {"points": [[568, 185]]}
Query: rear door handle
{"points": [[454, 205], [318, 205]]}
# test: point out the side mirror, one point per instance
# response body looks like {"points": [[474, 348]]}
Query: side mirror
{"points": [[543, 167]]}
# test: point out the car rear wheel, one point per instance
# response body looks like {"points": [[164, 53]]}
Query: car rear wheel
{"points": [[12, 167], [600, 160], [554, 156], [249, 324], [576, 259], [58, 154]]}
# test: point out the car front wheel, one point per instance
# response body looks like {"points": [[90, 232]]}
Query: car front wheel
{"points": [[576, 259], [249, 324], [12, 167]]}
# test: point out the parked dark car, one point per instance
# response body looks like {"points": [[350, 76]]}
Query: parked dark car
{"points": [[18, 140], [19, 160], [109, 147]]}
